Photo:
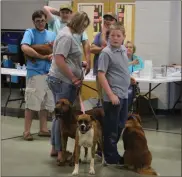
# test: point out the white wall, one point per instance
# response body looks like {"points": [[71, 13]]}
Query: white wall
{"points": [[175, 33], [17, 14], [158, 37]]}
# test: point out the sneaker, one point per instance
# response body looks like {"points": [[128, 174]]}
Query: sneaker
{"points": [[120, 163]]}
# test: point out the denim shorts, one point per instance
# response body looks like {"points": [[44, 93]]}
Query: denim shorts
{"points": [[61, 89]]}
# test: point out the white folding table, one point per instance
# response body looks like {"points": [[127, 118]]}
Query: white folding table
{"points": [[91, 78], [157, 81], [13, 72]]}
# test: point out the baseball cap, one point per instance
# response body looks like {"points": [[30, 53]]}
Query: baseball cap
{"points": [[110, 14], [66, 7]]}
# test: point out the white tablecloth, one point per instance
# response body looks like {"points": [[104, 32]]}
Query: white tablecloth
{"points": [[13, 72], [91, 78]]}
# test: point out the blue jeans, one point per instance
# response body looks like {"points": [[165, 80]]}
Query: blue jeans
{"points": [[60, 90], [114, 122]]}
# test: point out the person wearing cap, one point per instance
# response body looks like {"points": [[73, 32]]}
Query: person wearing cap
{"points": [[100, 41], [57, 20]]}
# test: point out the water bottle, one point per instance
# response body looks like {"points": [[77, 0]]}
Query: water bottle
{"points": [[24, 67], [164, 70], [148, 71], [18, 66]]}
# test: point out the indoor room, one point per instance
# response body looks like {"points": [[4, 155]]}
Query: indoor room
{"points": [[91, 88]]}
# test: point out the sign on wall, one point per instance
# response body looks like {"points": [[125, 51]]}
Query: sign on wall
{"points": [[57, 4], [95, 13], [124, 12]]}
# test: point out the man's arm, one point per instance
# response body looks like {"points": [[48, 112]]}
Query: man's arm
{"points": [[43, 49], [50, 11], [95, 49], [29, 51], [86, 49], [26, 46]]}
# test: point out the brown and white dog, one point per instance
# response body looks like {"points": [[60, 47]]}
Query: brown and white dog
{"points": [[88, 134], [68, 116], [137, 156]]}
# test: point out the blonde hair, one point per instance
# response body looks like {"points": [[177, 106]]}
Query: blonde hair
{"points": [[115, 26], [134, 47], [79, 22]]}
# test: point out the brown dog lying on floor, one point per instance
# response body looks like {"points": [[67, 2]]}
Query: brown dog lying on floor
{"points": [[88, 134], [43, 49], [137, 156], [68, 116]]}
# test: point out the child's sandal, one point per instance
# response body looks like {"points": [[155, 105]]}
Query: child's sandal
{"points": [[60, 163], [27, 137]]}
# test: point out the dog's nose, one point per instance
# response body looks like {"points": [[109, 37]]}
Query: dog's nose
{"points": [[83, 127]]}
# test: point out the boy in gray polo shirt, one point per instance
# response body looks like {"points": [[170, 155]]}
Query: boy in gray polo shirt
{"points": [[114, 78]]}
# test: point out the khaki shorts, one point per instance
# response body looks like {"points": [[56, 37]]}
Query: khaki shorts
{"points": [[38, 96]]}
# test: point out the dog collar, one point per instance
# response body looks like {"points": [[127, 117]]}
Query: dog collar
{"points": [[132, 117]]}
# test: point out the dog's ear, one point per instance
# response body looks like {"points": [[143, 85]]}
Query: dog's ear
{"points": [[77, 117], [92, 118], [57, 102], [138, 118], [66, 101]]}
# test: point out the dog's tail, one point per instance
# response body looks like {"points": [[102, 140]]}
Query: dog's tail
{"points": [[147, 171]]}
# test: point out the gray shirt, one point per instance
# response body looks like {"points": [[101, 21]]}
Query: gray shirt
{"points": [[68, 46], [114, 62]]}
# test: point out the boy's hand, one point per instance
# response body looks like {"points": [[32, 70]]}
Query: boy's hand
{"points": [[133, 81], [114, 99]]}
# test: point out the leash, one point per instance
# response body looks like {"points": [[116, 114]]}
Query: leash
{"points": [[80, 98], [81, 103]]}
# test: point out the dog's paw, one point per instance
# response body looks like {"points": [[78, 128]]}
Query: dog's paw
{"points": [[92, 171], [103, 161], [75, 172]]}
